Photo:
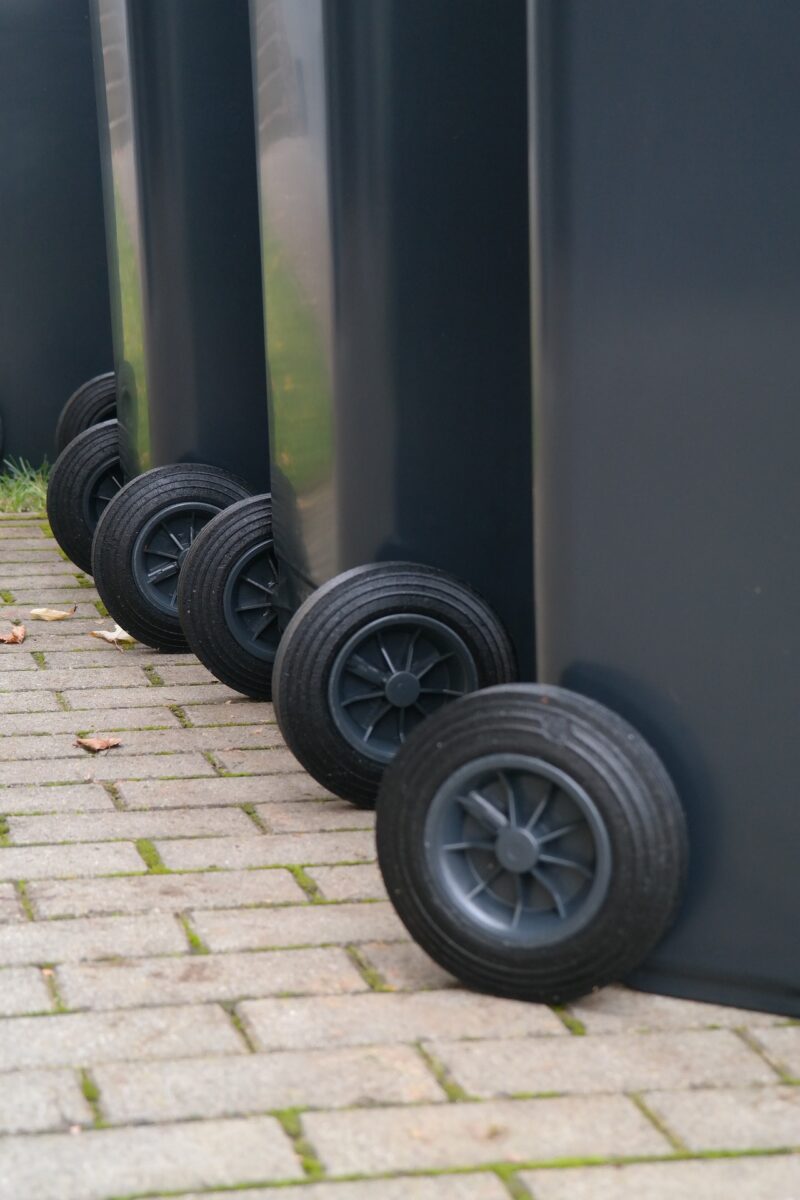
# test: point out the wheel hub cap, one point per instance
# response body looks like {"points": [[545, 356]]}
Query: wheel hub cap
{"points": [[403, 689], [516, 850]]}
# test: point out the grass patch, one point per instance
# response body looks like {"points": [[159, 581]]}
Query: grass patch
{"points": [[23, 488]]}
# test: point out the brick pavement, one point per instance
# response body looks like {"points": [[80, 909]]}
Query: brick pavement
{"points": [[203, 989]]}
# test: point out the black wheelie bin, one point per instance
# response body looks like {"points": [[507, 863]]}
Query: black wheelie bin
{"points": [[176, 120], [393, 189], [55, 331], [532, 838]]}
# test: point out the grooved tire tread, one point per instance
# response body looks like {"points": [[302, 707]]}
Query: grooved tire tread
{"points": [[72, 473], [91, 403]]}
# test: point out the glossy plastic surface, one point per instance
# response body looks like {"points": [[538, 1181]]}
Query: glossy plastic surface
{"points": [[666, 168], [393, 152], [176, 121], [54, 324]]}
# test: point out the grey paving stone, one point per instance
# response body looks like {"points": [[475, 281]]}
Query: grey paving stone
{"points": [[193, 1088], [259, 762], [189, 671], [114, 826], [233, 712], [450, 1135], [164, 893], [89, 938], [10, 908], [27, 702], [734, 1119], [314, 816], [126, 697], [60, 594], [112, 764], [376, 1018], [782, 1045], [262, 850], [38, 1101], [115, 1162], [621, 1063], [622, 1010], [350, 883], [410, 1187], [770, 1178], [200, 977], [23, 990], [22, 543], [405, 967], [137, 741], [312, 925], [63, 862], [16, 531], [92, 679], [73, 798], [14, 659], [40, 568], [93, 1038], [254, 789]]}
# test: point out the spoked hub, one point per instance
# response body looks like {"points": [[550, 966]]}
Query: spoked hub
{"points": [[161, 548], [519, 847], [248, 601], [101, 490], [391, 675]]}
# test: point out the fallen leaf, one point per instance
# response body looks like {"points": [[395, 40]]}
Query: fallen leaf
{"points": [[95, 745], [53, 614], [14, 638], [115, 635]]}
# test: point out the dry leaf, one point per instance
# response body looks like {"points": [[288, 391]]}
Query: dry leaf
{"points": [[53, 614], [95, 745], [115, 635], [14, 638]]}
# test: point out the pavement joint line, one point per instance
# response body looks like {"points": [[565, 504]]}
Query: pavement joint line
{"points": [[39, 658], [239, 1023], [290, 1120], [196, 943], [62, 702], [751, 1041], [249, 810], [153, 677], [453, 1090], [307, 884], [657, 1122], [213, 762], [371, 976], [513, 1184], [180, 716], [4, 832], [26, 904], [91, 1094], [150, 856], [50, 979], [112, 791], [570, 1022]]}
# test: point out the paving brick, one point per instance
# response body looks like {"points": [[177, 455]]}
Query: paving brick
{"points": [[40, 567], [259, 762], [10, 908], [743, 1119], [350, 883], [72, 798], [189, 671], [782, 1045], [126, 697], [27, 702], [90, 937], [14, 659], [405, 967], [314, 816], [15, 531], [37, 1101], [22, 990], [438, 1187], [193, 1088], [171, 740], [114, 764], [621, 1063], [113, 826], [114, 1162], [233, 712], [263, 851], [164, 893], [311, 925], [253, 789], [302, 1024], [90, 678], [23, 724], [63, 862], [200, 977], [450, 1135], [148, 1033], [61, 594], [622, 1010], [23, 542], [772, 1178]]}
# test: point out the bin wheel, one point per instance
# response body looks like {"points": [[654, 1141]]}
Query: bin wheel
{"points": [[225, 597], [532, 843], [85, 477], [368, 657], [91, 403], [142, 541]]}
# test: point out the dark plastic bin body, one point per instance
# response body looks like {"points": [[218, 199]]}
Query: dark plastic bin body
{"points": [[393, 176], [176, 124], [666, 159], [55, 331]]}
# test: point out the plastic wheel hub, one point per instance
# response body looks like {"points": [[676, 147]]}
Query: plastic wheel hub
{"points": [[519, 848], [100, 491], [248, 604], [161, 548], [390, 675]]}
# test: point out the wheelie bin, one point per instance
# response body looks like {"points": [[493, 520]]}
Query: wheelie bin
{"points": [[393, 188], [176, 119], [531, 838], [54, 322]]}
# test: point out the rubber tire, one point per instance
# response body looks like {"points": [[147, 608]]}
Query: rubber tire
{"points": [[201, 591], [90, 404], [70, 477], [119, 527], [322, 626], [627, 782]]}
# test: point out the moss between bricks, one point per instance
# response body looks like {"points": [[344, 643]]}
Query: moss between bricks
{"points": [[150, 856], [291, 1122]]}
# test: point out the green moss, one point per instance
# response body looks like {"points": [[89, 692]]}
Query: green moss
{"points": [[7, 597], [151, 857], [451, 1089], [21, 889], [62, 702], [101, 608], [196, 943], [308, 885], [39, 658], [371, 976], [566, 1018], [153, 675], [180, 716], [291, 1122]]}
